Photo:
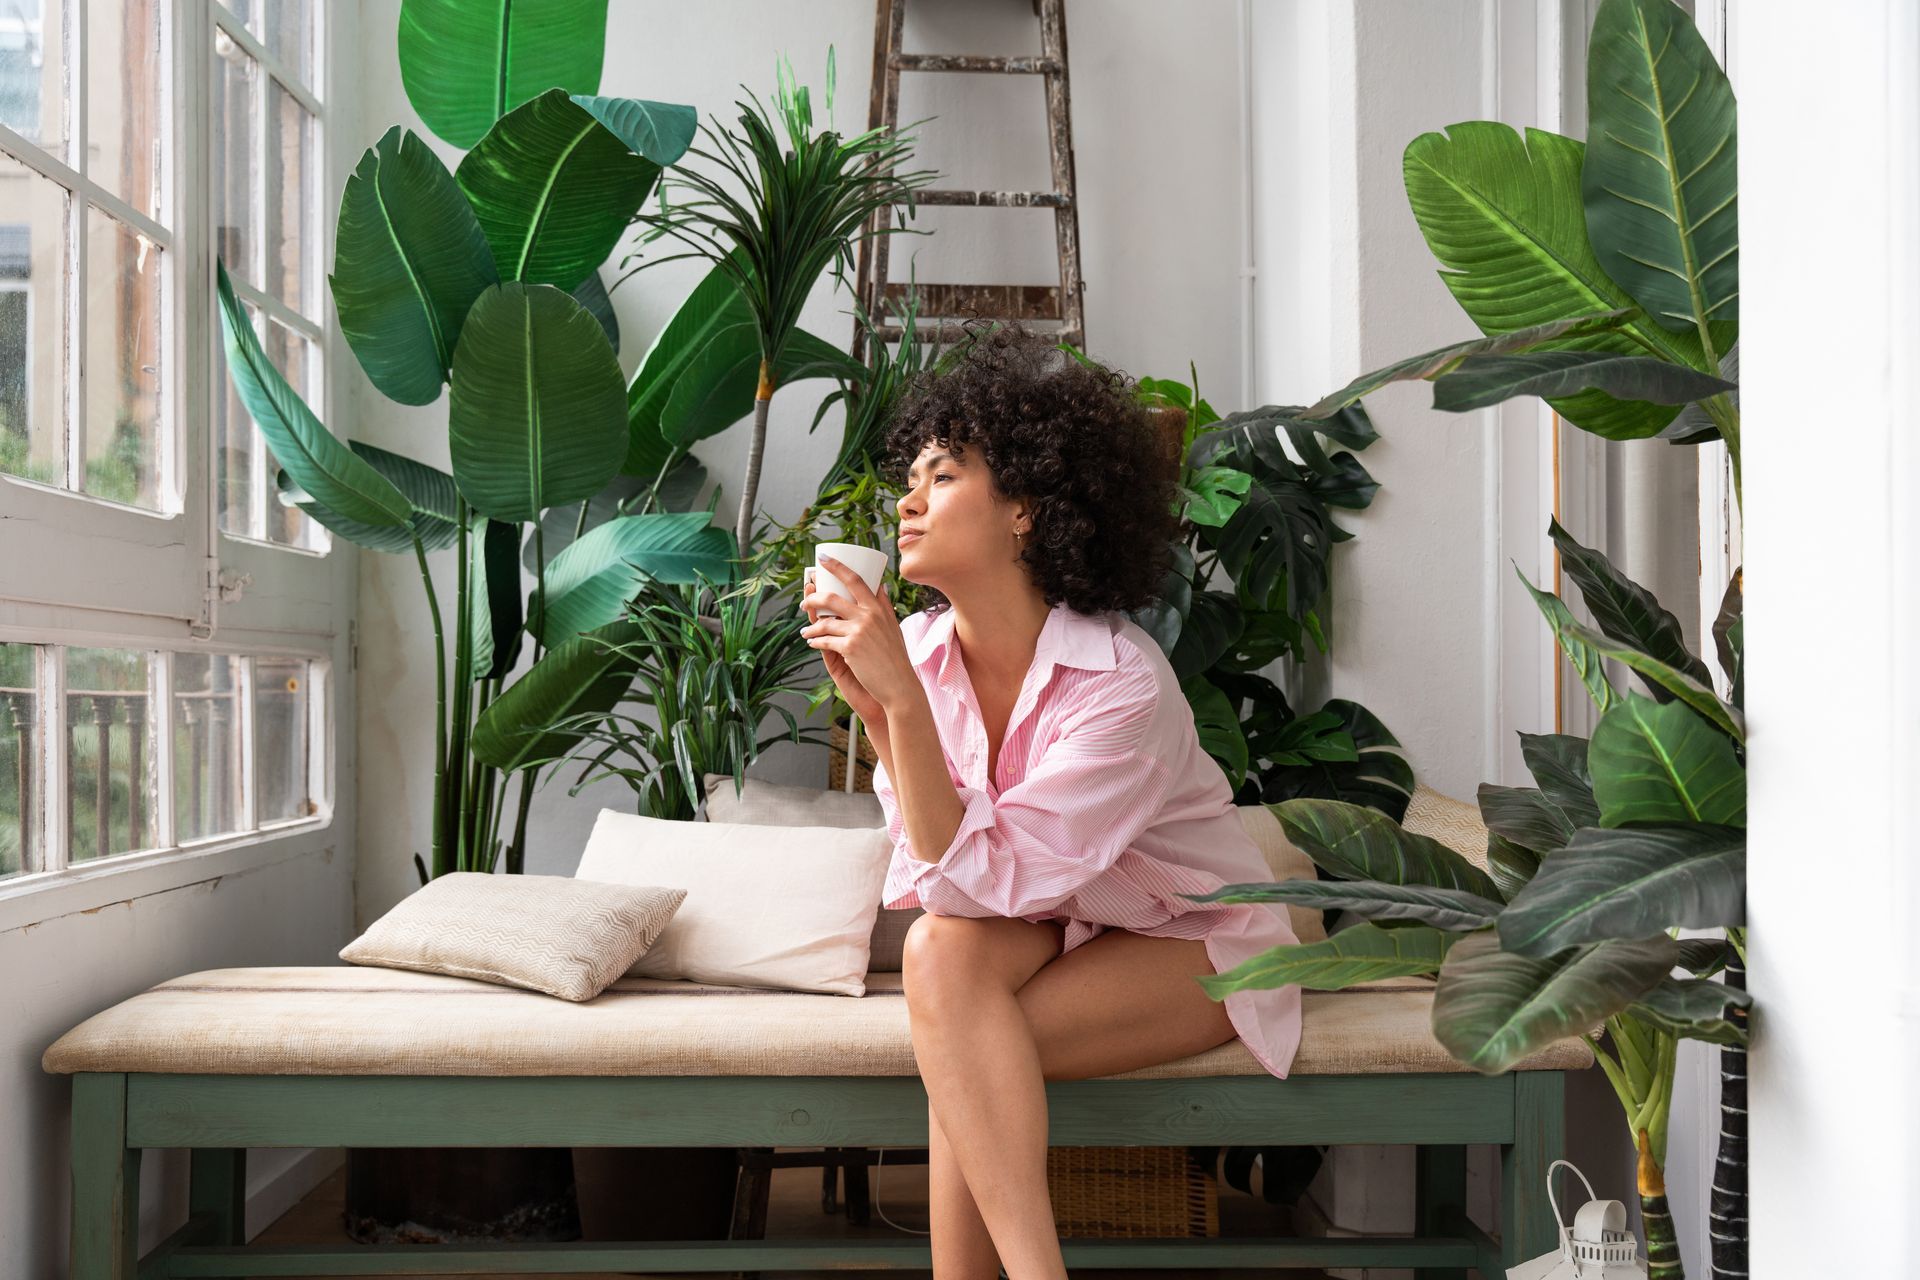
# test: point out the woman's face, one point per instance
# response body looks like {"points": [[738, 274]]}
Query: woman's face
{"points": [[954, 527]]}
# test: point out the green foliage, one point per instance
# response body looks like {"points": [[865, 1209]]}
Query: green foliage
{"points": [[466, 63]]}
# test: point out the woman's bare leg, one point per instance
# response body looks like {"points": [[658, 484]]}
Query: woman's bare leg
{"points": [[962, 1247], [977, 1060]]}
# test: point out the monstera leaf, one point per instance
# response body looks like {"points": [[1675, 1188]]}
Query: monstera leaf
{"points": [[1380, 778], [466, 63]]}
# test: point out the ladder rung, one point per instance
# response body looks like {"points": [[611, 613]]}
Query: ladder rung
{"points": [[974, 62], [997, 199], [1003, 301], [953, 332]]}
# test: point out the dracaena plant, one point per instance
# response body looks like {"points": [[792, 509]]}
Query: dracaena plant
{"points": [[773, 217], [1605, 278], [1256, 493]]}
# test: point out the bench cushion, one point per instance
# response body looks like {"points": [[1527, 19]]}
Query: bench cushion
{"points": [[349, 1020]]}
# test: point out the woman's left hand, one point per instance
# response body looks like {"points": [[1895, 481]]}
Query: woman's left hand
{"points": [[867, 637]]}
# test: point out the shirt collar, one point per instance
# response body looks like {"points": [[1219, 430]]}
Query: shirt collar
{"points": [[1067, 639]]}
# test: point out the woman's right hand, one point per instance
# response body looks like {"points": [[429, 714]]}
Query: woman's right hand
{"points": [[864, 704]]}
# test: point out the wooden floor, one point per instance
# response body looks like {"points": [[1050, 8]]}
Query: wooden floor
{"points": [[794, 1211]]}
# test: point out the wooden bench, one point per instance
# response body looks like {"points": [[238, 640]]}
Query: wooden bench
{"points": [[226, 1059]]}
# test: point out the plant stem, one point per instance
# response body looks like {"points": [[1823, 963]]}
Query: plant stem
{"points": [[1663, 1249], [458, 763], [762, 399], [439, 718], [1727, 1207], [1725, 416]]}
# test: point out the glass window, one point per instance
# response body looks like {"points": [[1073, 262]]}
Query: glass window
{"points": [[125, 99], [207, 765], [33, 323], [125, 407], [32, 70], [112, 761], [20, 760], [281, 737]]}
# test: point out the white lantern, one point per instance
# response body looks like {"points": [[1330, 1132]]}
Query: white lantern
{"points": [[1596, 1247]]}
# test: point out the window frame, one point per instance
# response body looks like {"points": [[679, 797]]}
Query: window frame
{"points": [[81, 571]]}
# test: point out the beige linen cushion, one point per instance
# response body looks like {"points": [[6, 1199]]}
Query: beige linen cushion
{"points": [[774, 804], [561, 935], [788, 907]]}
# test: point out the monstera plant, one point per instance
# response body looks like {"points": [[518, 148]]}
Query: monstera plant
{"points": [[1605, 278], [1256, 492]]}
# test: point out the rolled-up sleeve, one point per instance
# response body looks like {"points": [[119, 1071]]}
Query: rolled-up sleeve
{"points": [[1083, 804]]}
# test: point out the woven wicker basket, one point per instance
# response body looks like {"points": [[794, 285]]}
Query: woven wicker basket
{"points": [[837, 761], [1126, 1192], [1131, 1193]]}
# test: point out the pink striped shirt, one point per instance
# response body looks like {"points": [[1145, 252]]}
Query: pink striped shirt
{"points": [[1104, 810]]}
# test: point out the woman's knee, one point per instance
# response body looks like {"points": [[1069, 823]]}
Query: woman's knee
{"points": [[948, 958]]}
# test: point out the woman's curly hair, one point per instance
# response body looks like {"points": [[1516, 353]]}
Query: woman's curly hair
{"points": [[1074, 439]]}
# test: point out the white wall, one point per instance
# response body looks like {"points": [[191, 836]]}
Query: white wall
{"points": [[1833, 706]]}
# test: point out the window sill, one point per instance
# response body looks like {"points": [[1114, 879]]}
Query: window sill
{"points": [[44, 896]]}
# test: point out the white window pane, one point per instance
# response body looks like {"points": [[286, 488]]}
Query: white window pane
{"points": [[298, 361], [19, 761], [32, 71], [234, 440], [207, 764], [112, 785], [126, 68], [236, 82], [33, 323], [289, 36], [281, 743], [292, 173], [125, 348]]}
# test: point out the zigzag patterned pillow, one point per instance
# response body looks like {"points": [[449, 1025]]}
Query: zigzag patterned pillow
{"points": [[567, 937]]}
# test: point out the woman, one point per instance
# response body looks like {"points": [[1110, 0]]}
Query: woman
{"points": [[1046, 791]]}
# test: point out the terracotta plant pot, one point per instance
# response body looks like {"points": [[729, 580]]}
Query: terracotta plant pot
{"points": [[655, 1193], [460, 1195]]}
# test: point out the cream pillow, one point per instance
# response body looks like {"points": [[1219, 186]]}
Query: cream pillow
{"points": [[774, 804], [788, 907], [563, 935]]}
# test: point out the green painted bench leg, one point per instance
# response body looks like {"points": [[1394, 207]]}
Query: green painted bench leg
{"points": [[105, 1241], [1439, 1199], [1527, 1228], [217, 1186]]}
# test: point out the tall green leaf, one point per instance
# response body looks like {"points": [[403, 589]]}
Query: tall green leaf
{"points": [[1505, 219], [586, 675], [1364, 953], [1661, 174], [1479, 381], [1357, 843], [316, 459], [1558, 763], [554, 188], [590, 582], [408, 261], [538, 412], [716, 388], [1660, 762], [493, 599], [1525, 817], [429, 489], [466, 63], [1492, 1008], [1659, 676], [1451, 909], [1628, 882], [1582, 655], [1624, 609], [1696, 1009]]}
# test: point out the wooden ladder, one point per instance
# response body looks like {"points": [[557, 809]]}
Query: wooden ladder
{"points": [[945, 306]]}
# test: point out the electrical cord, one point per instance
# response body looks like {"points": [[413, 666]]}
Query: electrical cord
{"points": [[879, 1164]]}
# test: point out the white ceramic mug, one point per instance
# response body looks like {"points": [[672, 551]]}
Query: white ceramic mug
{"points": [[869, 562]]}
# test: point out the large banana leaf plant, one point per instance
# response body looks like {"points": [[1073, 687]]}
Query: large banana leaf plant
{"points": [[485, 280], [1604, 277]]}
